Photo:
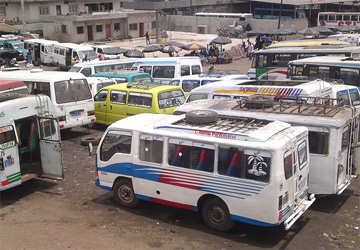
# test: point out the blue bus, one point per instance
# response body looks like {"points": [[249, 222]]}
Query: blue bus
{"points": [[269, 13]]}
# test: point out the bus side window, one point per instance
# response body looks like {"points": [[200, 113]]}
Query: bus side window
{"points": [[86, 71], [101, 96], [319, 142], [288, 164], [42, 88], [231, 162], [115, 142], [151, 148], [257, 168], [195, 69]]}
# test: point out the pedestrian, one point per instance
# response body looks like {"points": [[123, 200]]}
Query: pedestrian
{"points": [[211, 69], [147, 38], [250, 51], [29, 56]]}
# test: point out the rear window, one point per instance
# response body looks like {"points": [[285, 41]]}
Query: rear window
{"points": [[189, 85], [194, 97], [143, 78], [72, 91], [171, 98], [75, 69], [343, 96], [355, 97]]}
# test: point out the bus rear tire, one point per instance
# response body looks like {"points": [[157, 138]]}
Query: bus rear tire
{"points": [[124, 195], [216, 215]]}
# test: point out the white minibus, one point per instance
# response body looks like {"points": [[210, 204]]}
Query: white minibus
{"points": [[13, 86], [256, 172], [90, 68], [69, 93], [190, 82], [30, 144], [237, 89], [65, 54], [168, 68], [42, 50], [331, 133]]}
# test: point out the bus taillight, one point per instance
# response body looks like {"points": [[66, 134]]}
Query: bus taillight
{"points": [[280, 202]]}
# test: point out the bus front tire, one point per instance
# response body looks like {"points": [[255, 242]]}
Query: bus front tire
{"points": [[124, 194], [216, 215]]}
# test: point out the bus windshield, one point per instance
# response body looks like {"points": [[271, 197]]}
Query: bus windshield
{"points": [[72, 91], [142, 78], [75, 69]]}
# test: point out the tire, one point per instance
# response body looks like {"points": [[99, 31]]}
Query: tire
{"points": [[92, 125], [201, 116], [216, 215], [93, 139], [124, 195]]}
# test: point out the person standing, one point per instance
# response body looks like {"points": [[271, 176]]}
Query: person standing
{"points": [[250, 51], [147, 38]]}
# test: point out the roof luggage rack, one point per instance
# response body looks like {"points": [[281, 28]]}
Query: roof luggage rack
{"points": [[295, 105]]}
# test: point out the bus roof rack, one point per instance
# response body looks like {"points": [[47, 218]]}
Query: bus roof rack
{"points": [[296, 105]]}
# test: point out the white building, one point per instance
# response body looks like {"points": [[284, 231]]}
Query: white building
{"points": [[78, 20]]}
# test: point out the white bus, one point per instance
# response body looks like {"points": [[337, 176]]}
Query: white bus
{"points": [[333, 134], [225, 174], [90, 68], [346, 69], [69, 93], [168, 68], [272, 64], [66, 54], [336, 19], [29, 140], [42, 50], [240, 16]]}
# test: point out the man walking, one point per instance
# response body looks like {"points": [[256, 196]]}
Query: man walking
{"points": [[147, 38]]}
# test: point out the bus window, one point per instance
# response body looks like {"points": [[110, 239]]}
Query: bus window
{"points": [[262, 61], [231, 162], [140, 99], [354, 18], [302, 154], [195, 69], [221, 97], [151, 148], [164, 72], [258, 168], [185, 70], [146, 69], [324, 72], [191, 155], [332, 18], [85, 71], [346, 18], [350, 76], [288, 164], [194, 97], [115, 142], [319, 142], [354, 96], [101, 96], [345, 139], [339, 17], [323, 17], [7, 137], [280, 60], [189, 85], [118, 97]]}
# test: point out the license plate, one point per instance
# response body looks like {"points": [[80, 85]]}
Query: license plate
{"points": [[75, 113]]}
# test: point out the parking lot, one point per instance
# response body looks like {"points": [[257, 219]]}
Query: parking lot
{"points": [[74, 213]]}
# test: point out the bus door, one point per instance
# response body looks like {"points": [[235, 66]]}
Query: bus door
{"points": [[301, 171], [356, 153], [68, 57], [50, 148], [343, 156], [10, 175], [36, 51]]}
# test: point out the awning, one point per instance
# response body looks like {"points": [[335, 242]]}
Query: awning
{"points": [[5, 28]]}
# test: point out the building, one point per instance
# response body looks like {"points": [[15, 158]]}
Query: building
{"points": [[78, 20]]}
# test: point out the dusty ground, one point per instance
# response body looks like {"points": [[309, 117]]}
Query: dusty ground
{"points": [[75, 214]]}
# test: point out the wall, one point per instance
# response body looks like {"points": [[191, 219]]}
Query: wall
{"points": [[269, 25]]}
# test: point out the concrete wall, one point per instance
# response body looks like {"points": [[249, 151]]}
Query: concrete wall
{"points": [[212, 24], [269, 25]]}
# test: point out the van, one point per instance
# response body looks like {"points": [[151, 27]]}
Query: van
{"points": [[250, 170], [90, 68], [168, 68], [29, 140], [97, 83], [107, 52], [13, 86], [331, 133], [15, 45], [283, 89], [118, 101], [65, 54], [69, 93], [188, 83], [42, 50], [127, 75]]}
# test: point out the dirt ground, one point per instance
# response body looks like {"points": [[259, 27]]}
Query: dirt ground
{"points": [[75, 214]]}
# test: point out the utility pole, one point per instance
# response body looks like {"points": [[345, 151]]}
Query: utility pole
{"points": [[23, 16], [157, 26], [280, 14]]}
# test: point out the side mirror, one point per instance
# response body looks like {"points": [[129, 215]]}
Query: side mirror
{"points": [[91, 149]]}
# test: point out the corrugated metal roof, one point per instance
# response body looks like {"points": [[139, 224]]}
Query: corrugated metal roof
{"points": [[8, 28]]}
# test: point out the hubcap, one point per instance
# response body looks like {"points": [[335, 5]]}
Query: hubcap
{"points": [[125, 193], [217, 215]]}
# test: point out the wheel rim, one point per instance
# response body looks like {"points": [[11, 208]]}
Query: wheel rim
{"points": [[217, 215], [125, 193]]}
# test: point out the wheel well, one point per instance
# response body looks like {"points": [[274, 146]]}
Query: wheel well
{"points": [[204, 198], [118, 179]]}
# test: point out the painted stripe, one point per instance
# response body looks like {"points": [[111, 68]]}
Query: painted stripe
{"points": [[252, 221], [189, 129], [9, 176], [171, 203]]}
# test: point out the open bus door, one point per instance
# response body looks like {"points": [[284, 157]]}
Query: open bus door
{"points": [[68, 57], [50, 148]]}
